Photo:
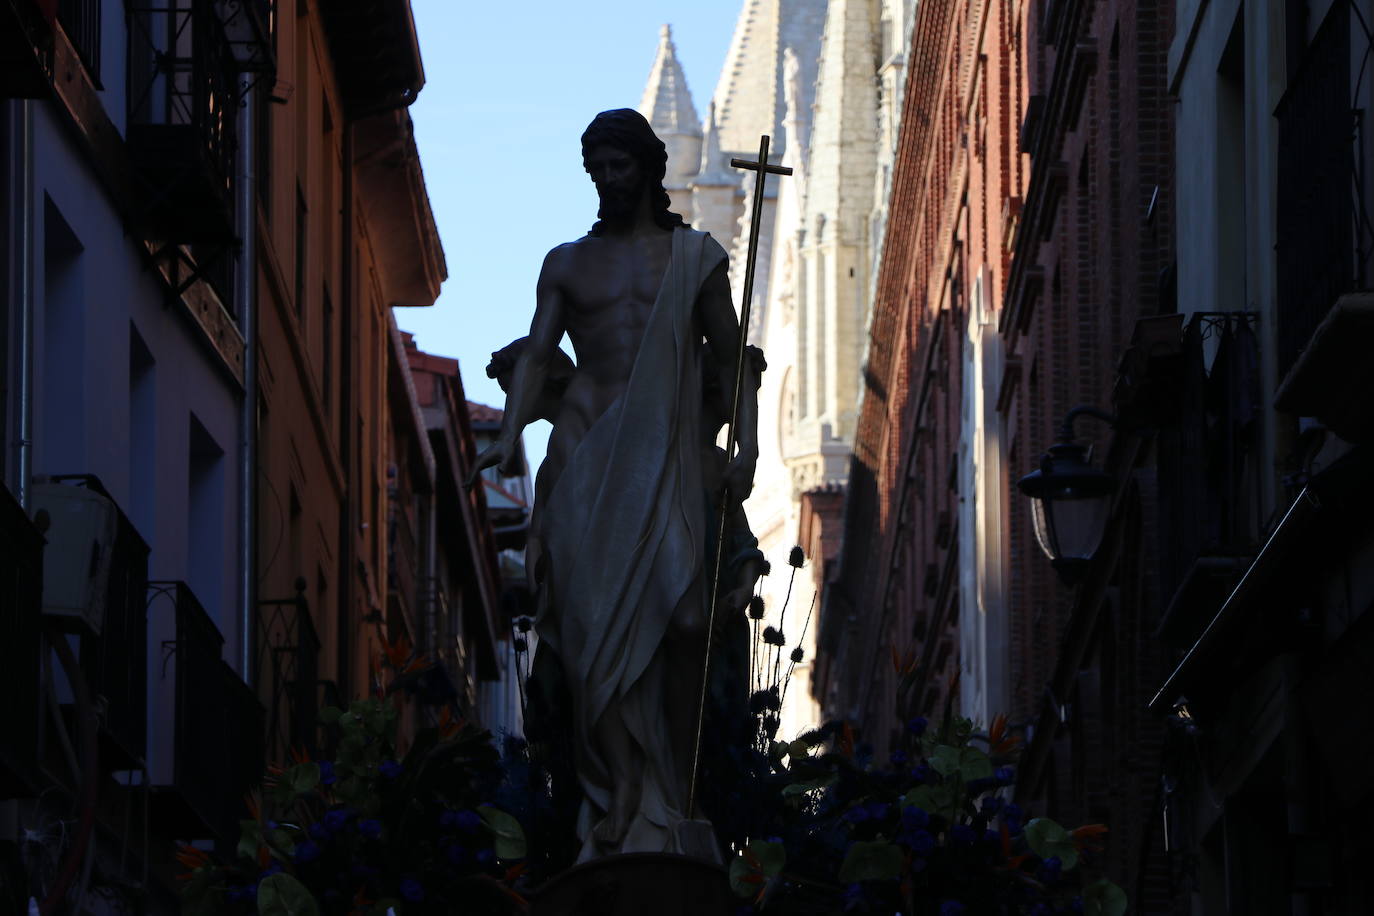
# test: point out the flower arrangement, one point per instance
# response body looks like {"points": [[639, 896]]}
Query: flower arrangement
{"points": [[814, 824], [931, 833], [368, 830]]}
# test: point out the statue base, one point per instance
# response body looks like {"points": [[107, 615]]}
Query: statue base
{"points": [[637, 883]]}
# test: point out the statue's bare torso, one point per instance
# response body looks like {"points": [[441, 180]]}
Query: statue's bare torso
{"points": [[606, 288]]}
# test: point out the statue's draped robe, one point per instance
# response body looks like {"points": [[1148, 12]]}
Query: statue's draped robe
{"points": [[624, 536]]}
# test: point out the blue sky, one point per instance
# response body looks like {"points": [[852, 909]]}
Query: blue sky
{"points": [[509, 89]]}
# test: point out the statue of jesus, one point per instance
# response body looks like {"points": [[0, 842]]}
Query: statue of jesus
{"points": [[622, 528]]}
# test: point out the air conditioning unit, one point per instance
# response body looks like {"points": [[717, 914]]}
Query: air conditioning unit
{"points": [[81, 529]]}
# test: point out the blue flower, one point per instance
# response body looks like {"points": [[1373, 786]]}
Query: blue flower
{"points": [[412, 890], [992, 837], [1005, 775], [917, 725], [241, 892], [922, 842], [920, 773], [327, 772], [1050, 869], [951, 908], [336, 818], [857, 814], [307, 852], [878, 810], [317, 831], [370, 827], [390, 769], [468, 820], [962, 835], [899, 758], [485, 856], [914, 817], [992, 804], [448, 818], [1012, 810]]}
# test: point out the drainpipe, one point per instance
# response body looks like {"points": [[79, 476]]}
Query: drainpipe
{"points": [[21, 236], [245, 304]]}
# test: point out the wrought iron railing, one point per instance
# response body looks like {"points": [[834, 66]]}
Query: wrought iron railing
{"points": [[1209, 473], [80, 19], [1325, 235], [21, 586], [183, 99], [288, 670], [200, 741], [245, 757]]}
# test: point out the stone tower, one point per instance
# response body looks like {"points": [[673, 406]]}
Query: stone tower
{"points": [[824, 80]]}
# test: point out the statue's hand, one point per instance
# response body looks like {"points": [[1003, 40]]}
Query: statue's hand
{"points": [[500, 453], [739, 476]]}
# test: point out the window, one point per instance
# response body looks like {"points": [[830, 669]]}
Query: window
{"points": [[142, 435], [205, 520]]}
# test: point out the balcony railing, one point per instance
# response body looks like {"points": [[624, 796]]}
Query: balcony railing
{"points": [[1325, 237], [288, 670], [1209, 469], [193, 806], [21, 585], [183, 101], [81, 21], [245, 757]]}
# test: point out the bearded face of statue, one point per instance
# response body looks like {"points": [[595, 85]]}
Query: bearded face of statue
{"points": [[619, 180]]}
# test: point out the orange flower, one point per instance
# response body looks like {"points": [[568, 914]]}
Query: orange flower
{"points": [[192, 857], [1088, 836]]}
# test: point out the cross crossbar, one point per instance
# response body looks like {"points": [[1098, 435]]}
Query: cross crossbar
{"points": [[754, 167]]}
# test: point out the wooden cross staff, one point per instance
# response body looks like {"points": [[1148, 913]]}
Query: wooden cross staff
{"points": [[763, 169]]}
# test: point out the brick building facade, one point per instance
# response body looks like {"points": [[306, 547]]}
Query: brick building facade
{"points": [[1031, 233]]}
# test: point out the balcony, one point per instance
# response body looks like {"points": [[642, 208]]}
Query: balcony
{"points": [[80, 19], [288, 672], [21, 586], [26, 48], [192, 805], [1209, 473], [183, 103]]}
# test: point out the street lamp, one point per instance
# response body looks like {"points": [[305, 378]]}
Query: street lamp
{"points": [[1070, 500]]}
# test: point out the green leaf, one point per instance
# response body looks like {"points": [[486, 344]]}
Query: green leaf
{"points": [[283, 895], [1046, 838], [745, 879], [871, 861], [772, 856], [942, 799], [510, 838], [303, 777], [1103, 898], [798, 748], [280, 841], [969, 762], [330, 715], [748, 872], [250, 838]]}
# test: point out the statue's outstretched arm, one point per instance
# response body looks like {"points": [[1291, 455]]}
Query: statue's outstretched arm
{"points": [[531, 369]]}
